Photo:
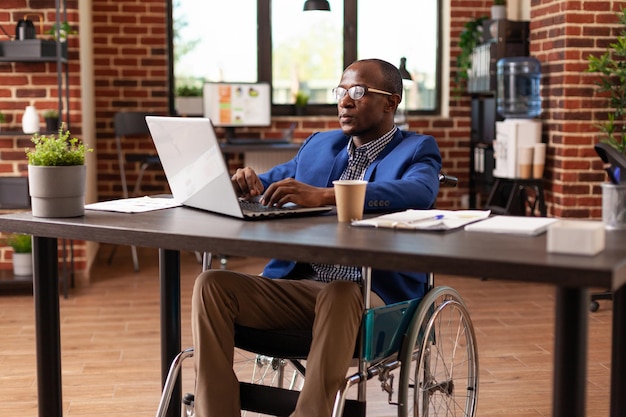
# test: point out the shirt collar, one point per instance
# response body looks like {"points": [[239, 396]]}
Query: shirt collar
{"points": [[374, 148]]}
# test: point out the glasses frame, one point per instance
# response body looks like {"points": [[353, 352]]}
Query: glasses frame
{"points": [[350, 91]]}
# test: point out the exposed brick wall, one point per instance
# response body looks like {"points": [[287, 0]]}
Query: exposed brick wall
{"points": [[563, 34], [130, 52], [131, 73]]}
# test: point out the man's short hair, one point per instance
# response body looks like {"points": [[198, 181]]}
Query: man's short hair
{"points": [[391, 75]]}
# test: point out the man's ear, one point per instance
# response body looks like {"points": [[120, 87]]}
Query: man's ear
{"points": [[393, 102]]}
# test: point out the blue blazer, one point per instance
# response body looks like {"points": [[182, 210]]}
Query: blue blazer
{"points": [[404, 176]]}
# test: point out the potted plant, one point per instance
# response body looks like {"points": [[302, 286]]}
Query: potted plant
{"points": [[62, 34], [2, 119], [612, 81], [470, 38], [51, 118], [188, 99], [57, 175], [612, 142], [498, 10], [301, 101], [22, 253]]}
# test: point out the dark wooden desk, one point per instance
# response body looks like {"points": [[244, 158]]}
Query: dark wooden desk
{"points": [[322, 239]]}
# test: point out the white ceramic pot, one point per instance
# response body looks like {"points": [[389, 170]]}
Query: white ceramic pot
{"points": [[498, 12], [22, 264], [57, 191], [189, 106], [30, 120]]}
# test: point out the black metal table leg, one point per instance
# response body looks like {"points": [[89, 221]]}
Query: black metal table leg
{"points": [[169, 270], [618, 361], [570, 352], [47, 327]]}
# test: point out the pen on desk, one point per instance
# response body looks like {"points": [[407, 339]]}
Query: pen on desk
{"points": [[410, 223], [426, 219]]}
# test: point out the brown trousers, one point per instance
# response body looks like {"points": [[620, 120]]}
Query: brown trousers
{"points": [[222, 298]]}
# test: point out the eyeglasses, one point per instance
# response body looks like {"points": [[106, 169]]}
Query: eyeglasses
{"points": [[356, 92]]}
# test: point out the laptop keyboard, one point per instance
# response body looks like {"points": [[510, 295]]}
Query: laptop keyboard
{"points": [[257, 207]]}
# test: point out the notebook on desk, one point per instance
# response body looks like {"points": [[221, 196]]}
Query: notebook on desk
{"points": [[515, 225], [198, 174]]}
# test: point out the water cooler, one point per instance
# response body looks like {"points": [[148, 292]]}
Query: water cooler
{"points": [[519, 102]]}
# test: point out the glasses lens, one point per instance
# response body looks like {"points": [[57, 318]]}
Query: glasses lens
{"points": [[356, 92], [339, 93]]}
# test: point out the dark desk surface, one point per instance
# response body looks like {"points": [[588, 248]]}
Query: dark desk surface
{"points": [[322, 239]]}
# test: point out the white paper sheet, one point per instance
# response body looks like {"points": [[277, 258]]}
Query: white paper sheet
{"points": [[134, 205]]}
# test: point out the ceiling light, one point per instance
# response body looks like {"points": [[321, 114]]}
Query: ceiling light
{"points": [[316, 5]]}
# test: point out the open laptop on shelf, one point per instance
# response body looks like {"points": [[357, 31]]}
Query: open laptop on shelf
{"points": [[198, 174]]}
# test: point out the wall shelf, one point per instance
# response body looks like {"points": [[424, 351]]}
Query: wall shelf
{"points": [[503, 38], [44, 50]]}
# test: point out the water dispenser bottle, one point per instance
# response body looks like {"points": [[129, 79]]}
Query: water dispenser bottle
{"points": [[518, 87]]}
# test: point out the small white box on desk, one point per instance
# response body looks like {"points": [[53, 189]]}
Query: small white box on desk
{"points": [[576, 237]]}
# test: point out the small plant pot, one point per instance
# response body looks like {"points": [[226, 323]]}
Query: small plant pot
{"points": [[22, 264], [189, 106], [57, 191], [52, 124], [498, 12]]}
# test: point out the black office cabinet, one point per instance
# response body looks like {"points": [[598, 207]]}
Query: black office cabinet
{"points": [[502, 38]]}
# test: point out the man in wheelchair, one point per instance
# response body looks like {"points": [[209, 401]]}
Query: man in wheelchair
{"points": [[402, 170]]}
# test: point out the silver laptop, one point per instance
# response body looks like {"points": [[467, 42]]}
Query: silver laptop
{"points": [[198, 175]]}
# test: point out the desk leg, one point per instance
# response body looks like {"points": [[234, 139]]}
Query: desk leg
{"points": [[618, 360], [169, 270], [570, 352], [47, 327]]}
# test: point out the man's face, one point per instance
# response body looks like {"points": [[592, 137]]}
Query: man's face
{"points": [[368, 117]]}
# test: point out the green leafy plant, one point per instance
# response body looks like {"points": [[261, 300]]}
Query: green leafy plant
{"points": [[2, 117], [612, 68], [189, 91], [499, 2], [57, 150], [20, 243], [470, 38], [302, 99], [64, 32], [51, 114]]}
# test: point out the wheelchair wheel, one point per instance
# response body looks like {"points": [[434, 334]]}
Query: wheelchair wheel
{"points": [[439, 361], [266, 370]]}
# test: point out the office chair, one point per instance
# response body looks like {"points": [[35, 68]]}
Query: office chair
{"points": [[129, 124], [594, 305]]}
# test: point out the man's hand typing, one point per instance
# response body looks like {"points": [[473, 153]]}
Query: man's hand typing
{"points": [[246, 183], [291, 191]]}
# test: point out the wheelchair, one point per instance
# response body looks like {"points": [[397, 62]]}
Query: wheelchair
{"points": [[421, 352]]}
